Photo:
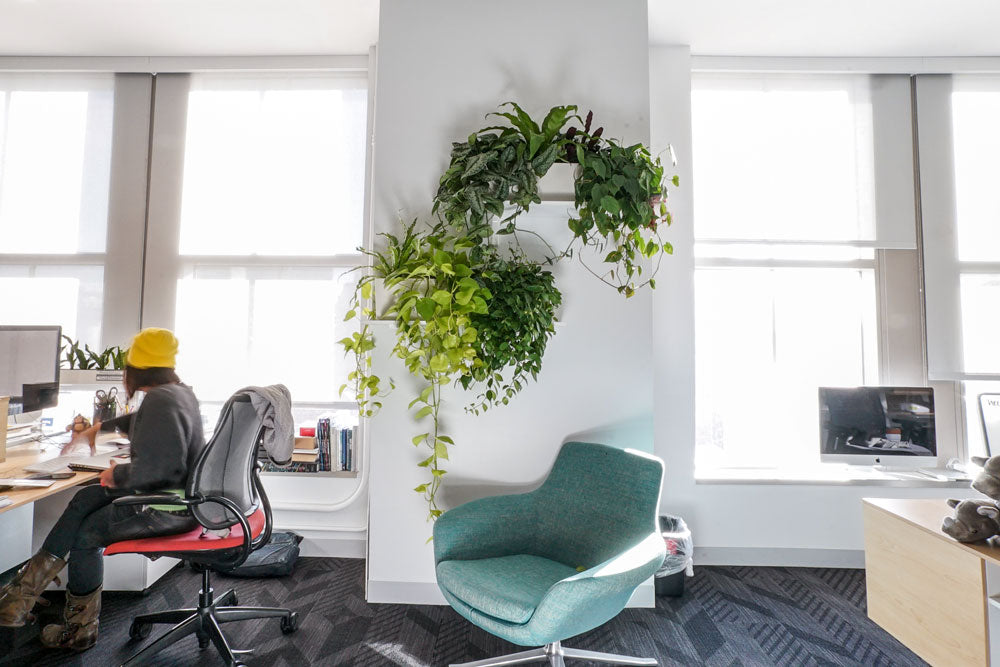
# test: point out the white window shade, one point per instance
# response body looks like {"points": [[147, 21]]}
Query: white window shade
{"points": [[270, 165], [55, 157], [799, 161], [959, 142]]}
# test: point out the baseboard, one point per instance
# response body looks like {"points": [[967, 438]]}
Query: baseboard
{"points": [[403, 592], [782, 557], [319, 542], [415, 592]]}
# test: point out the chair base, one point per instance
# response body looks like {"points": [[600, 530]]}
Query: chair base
{"points": [[555, 654], [205, 622]]}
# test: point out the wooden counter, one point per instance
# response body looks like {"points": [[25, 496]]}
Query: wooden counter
{"points": [[924, 588]]}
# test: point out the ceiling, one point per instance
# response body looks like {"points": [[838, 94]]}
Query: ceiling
{"points": [[855, 28], [335, 27]]}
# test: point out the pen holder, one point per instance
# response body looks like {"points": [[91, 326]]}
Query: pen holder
{"points": [[105, 409]]}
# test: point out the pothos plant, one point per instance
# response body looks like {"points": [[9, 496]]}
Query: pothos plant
{"points": [[466, 312]]}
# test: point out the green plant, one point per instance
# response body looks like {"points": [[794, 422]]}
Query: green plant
{"points": [[465, 315], [514, 333], [75, 357], [490, 171], [434, 300]]}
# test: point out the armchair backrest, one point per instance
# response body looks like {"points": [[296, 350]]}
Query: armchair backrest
{"points": [[225, 467], [596, 502]]}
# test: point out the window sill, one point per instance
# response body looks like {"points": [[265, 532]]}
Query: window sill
{"points": [[823, 475]]}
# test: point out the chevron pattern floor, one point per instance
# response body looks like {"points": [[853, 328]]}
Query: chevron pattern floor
{"points": [[728, 616]]}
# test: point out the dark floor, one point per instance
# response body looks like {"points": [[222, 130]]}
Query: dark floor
{"points": [[727, 616]]}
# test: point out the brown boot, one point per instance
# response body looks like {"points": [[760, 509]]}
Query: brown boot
{"points": [[79, 628], [19, 596]]}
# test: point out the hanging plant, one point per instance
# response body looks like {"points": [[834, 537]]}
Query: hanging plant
{"points": [[466, 315], [514, 332]]}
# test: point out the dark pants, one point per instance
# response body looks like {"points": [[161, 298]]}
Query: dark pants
{"points": [[91, 522]]}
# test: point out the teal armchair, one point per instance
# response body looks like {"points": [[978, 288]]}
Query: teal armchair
{"points": [[540, 567]]}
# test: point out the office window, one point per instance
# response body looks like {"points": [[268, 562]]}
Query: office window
{"points": [[271, 192], [975, 108], [55, 161], [959, 166], [789, 228]]}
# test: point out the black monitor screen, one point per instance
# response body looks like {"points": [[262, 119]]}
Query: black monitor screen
{"points": [[877, 421]]}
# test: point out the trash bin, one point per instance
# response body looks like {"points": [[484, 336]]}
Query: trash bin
{"points": [[669, 579]]}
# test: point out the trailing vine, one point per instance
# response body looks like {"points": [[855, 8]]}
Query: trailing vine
{"points": [[467, 315]]}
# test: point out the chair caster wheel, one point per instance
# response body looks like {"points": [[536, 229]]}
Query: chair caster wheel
{"points": [[203, 642], [290, 623], [139, 630]]}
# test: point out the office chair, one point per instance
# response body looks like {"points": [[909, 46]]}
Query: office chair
{"points": [[537, 568], [224, 491]]}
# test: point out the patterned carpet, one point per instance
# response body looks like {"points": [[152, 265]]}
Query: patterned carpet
{"points": [[728, 616]]}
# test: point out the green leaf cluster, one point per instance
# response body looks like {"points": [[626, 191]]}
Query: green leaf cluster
{"points": [[498, 167], [621, 204], [75, 357], [515, 331]]}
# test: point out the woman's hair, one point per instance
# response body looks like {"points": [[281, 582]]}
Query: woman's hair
{"points": [[147, 377]]}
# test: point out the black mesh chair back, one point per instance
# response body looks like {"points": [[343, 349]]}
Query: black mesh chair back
{"points": [[226, 465]]}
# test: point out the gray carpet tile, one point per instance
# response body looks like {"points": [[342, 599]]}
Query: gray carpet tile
{"points": [[727, 616]]}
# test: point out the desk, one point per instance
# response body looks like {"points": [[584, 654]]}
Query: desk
{"points": [[25, 455], [935, 595], [25, 523]]}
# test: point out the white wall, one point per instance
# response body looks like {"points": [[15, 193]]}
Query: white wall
{"points": [[442, 65], [734, 523]]}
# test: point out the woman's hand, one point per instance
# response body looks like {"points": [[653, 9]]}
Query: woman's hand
{"points": [[88, 435], [108, 476]]}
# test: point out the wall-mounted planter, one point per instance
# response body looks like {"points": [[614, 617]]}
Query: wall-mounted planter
{"points": [[75, 376], [558, 183]]}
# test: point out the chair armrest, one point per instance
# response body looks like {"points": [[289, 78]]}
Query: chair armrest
{"points": [[156, 499], [484, 528], [592, 597]]}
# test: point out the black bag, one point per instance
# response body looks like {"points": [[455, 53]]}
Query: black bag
{"points": [[274, 559]]}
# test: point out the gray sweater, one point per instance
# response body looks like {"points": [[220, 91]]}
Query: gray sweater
{"points": [[166, 437]]}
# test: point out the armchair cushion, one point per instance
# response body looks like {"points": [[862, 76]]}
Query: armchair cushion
{"points": [[508, 588]]}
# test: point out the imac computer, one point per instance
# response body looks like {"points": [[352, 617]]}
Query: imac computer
{"points": [[29, 369], [887, 426]]}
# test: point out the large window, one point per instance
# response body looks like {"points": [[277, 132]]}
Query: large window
{"points": [[55, 157], [252, 266], [226, 206], [959, 144], [788, 239]]}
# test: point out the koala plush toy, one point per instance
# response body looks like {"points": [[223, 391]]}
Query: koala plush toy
{"points": [[988, 481], [973, 520]]}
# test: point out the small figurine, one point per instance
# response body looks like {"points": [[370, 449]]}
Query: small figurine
{"points": [[973, 520]]}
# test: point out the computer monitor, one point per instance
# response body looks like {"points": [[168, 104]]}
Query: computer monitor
{"points": [[892, 426], [29, 366]]}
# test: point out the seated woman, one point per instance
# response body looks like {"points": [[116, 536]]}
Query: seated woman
{"points": [[166, 439]]}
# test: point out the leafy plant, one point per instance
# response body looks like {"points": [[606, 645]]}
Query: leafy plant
{"points": [[490, 171], [514, 333], [621, 203], [75, 357], [434, 300], [466, 316]]}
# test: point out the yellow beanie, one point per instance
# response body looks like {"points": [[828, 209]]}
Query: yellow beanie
{"points": [[153, 348]]}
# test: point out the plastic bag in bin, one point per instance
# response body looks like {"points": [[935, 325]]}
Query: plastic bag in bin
{"points": [[680, 547]]}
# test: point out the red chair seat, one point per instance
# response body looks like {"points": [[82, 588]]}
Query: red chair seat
{"points": [[193, 540]]}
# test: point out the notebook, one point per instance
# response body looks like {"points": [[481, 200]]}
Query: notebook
{"points": [[95, 463]]}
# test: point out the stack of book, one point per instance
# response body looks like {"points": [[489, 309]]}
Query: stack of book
{"points": [[332, 449], [337, 450]]}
